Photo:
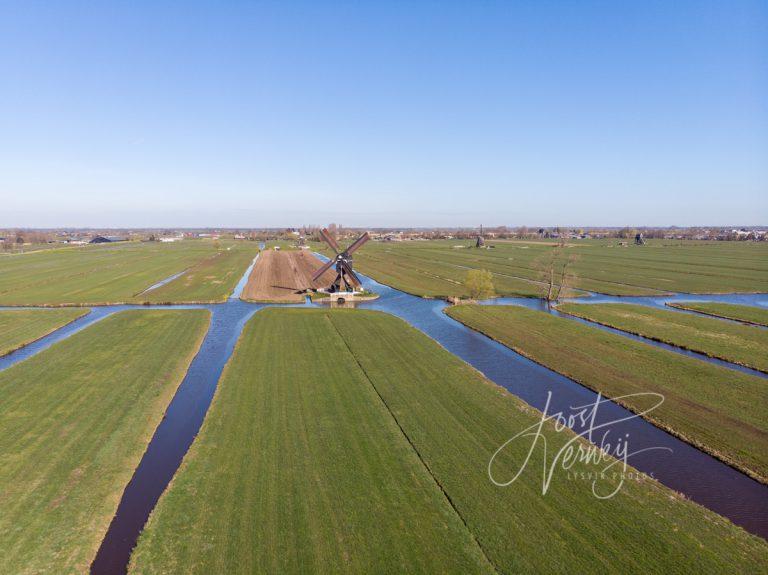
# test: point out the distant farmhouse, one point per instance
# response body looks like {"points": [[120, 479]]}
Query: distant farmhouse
{"points": [[107, 239]]}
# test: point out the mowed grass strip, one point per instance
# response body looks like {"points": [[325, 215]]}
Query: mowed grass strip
{"points": [[283, 476], [721, 411], [23, 326], [74, 423], [743, 313], [299, 468], [211, 280], [741, 344], [97, 274]]}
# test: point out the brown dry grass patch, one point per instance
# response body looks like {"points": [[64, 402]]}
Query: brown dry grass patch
{"points": [[284, 277]]}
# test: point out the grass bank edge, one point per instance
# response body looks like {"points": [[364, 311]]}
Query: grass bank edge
{"points": [[692, 306], [669, 341], [85, 311]]}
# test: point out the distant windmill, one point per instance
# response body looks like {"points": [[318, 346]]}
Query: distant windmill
{"points": [[480, 240], [346, 280]]}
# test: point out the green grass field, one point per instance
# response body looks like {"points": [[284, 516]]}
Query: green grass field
{"points": [[17, 250], [211, 280], [743, 313], [438, 268], [74, 423], [323, 453], [23, 326], [323, 479], [118, 273], [722, 411], [742, 344]]}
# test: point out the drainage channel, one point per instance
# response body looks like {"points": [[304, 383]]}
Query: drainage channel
{"points": [[172, 437]]}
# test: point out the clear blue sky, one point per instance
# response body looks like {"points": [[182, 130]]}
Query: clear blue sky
{"points": [[383, 113]]}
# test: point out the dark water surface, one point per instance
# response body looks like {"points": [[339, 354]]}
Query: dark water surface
{"points": [[173, 436], [699, 476]]}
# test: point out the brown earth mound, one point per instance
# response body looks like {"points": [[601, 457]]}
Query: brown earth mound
{"points": [[283, 276]]}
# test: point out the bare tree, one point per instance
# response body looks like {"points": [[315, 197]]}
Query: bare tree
{"points": [[554, 270]]}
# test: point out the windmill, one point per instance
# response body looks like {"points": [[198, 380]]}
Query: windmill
{"points": [[480, 243], [346, 280]]}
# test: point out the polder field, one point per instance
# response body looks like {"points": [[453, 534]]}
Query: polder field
{"points": [[23, 326], [122, 272], [74, 422], [742, 313], [737, 343], [337, 458], [349, 441], [721, 411], [438, 268]]}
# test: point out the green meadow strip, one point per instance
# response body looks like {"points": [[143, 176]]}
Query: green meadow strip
{"points": [[74, 423], [299, 468], [23, 326], [347, 441], [722, 411], [743, 313], [121, 272], [742, 344], [211, 280]]}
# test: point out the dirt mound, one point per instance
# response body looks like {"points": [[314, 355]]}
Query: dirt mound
{"points": [[282, 276]]}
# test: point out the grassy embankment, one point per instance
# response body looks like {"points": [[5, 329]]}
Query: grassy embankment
{"points": [[21, 327], [741, 344], [722, 411], [347, 441], [118, 273], [743, 313], [438, 268], [74, 423]]}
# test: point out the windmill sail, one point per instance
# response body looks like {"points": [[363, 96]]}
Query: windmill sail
{"points": [[346, 279]]}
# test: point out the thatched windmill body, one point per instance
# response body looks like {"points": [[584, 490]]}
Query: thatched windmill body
{"points": [[346, 279], [480, 242]]}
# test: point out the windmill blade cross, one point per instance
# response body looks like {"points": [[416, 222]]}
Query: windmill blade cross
{"points": [[329, 240], [325, 267], [358, 242]]}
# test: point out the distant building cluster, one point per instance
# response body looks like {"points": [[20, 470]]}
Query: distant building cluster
{"points": [[302, 237]]}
